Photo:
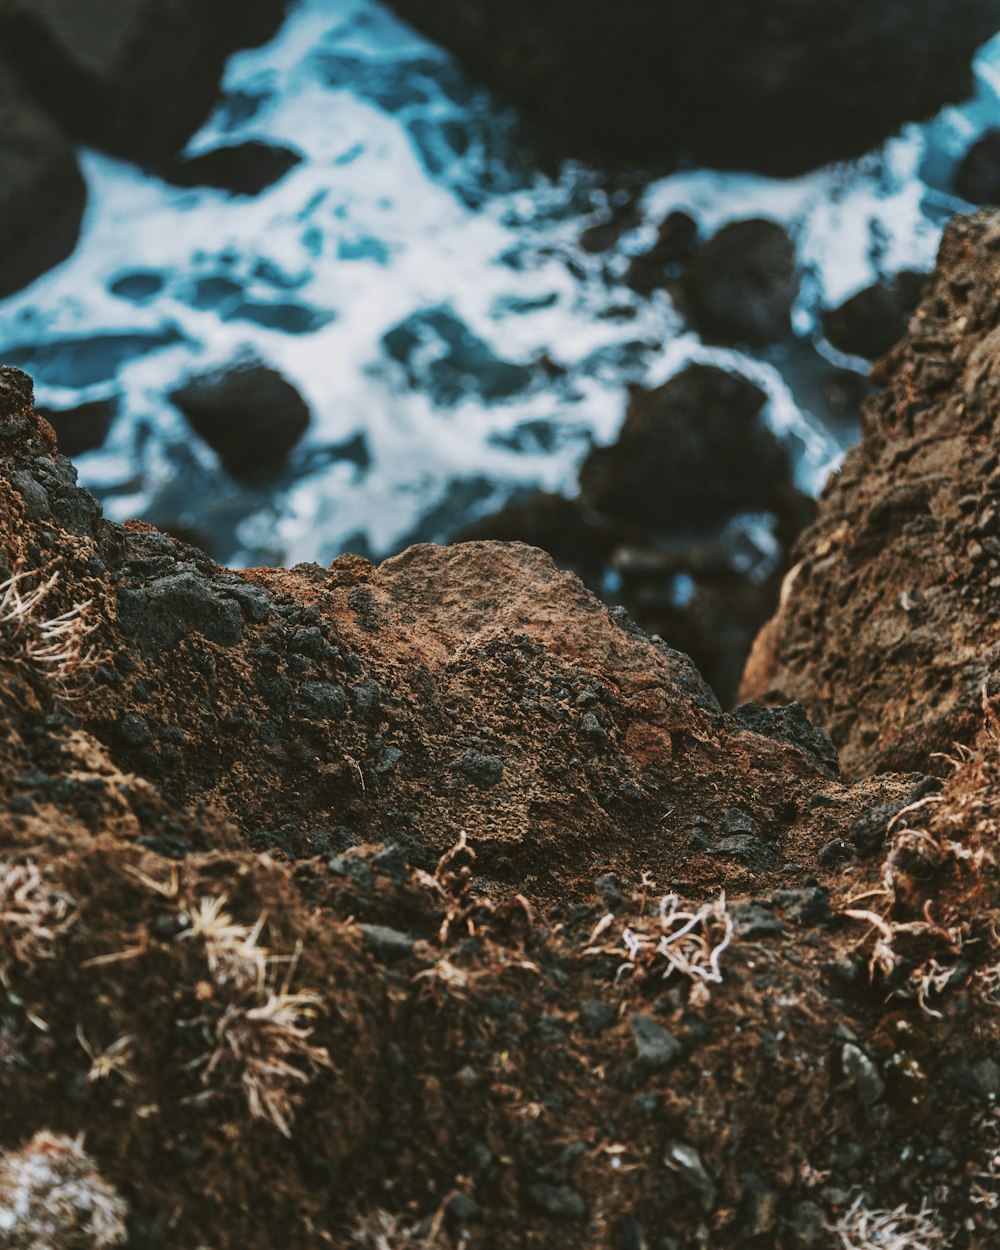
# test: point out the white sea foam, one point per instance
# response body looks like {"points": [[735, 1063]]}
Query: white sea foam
{"points": [[418, 196]]}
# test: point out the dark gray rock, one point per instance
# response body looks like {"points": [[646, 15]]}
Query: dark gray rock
{"points": [[875, 319], [321, 700], [386, 944], [740, 286], [160, 614], [557, 1201], [482, 769], [977, 178], [249, 415], [240, 168], [791, 724], [656, 1047]]}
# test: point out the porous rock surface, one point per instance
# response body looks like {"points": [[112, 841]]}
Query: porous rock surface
{"points": [[889, 628], [459, 802], [776, 86]]}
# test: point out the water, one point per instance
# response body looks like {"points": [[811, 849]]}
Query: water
{"points": [[419, 278]]}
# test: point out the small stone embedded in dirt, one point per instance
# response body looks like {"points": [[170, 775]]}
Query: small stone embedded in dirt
{"points": [[135, 730], [752, 920], [791, 724], [862, 1073], [609, 890], [656, 1047], [161, 613], [740, 286], [835, 853], [683, 1159], [595, 1016], [385, 943], [482, 769], [321, 700], [249, 414], [557, 1201]]}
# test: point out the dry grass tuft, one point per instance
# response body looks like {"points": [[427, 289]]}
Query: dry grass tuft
{"points": [[860, 1228], [56, 644], [689, 943], [33, 915], [261, 1039], [52, 1197]]}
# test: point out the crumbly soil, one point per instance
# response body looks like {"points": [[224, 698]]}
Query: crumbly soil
{"points": [[450, 789]]}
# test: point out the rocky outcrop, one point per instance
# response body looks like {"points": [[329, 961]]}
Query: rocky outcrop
{"points": [[42, 193], [888, 629], [435, 903], [135, 78], [777, 86]]}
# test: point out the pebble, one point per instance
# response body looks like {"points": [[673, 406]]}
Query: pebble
{"points": [[656, 1047]]}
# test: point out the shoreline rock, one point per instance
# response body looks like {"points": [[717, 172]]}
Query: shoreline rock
{"points": [[779, 88]]}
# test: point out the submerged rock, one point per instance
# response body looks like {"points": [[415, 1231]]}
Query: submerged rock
{"points": [[775, 86], [250, 415], [242, 169]]}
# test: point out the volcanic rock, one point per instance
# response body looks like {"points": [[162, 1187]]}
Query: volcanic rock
{"points": [[906, 548], [977, 178], [874, 320], [249, 414], [774, 86], [740, 286]]}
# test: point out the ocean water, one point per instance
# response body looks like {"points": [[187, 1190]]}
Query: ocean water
{"points": [[419, 278]]}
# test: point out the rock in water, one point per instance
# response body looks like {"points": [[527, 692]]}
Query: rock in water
{"points": [[874, 320], [241, 168], [136, 77], [42, 192], [740, 286], [775, 86], [977, 178], [692, 451], [250, 415]]}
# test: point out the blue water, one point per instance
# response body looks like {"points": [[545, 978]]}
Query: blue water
{"points": [[419, 279]]}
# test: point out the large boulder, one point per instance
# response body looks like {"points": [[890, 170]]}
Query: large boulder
{"points": [[776, 86], [135, 77], [889, 626], [42, 192], [692, 451]]}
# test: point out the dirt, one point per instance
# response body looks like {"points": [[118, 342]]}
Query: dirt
{"points": [[332, 898]]}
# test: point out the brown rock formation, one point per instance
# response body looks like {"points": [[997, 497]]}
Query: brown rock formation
{"points": [[376, 907], [889, 629]]}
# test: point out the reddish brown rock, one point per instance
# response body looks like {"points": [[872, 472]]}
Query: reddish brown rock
{"points": [[889, 626]]}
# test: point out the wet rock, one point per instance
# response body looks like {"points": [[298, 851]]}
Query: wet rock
{"points": [[42, 192], [977, 178], [874, 320], [250, 415], [136, 79], [781, 87], [83, 428], [241, 168], [741, 284], [677, 236], [692, 451], [655, 1046]]}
